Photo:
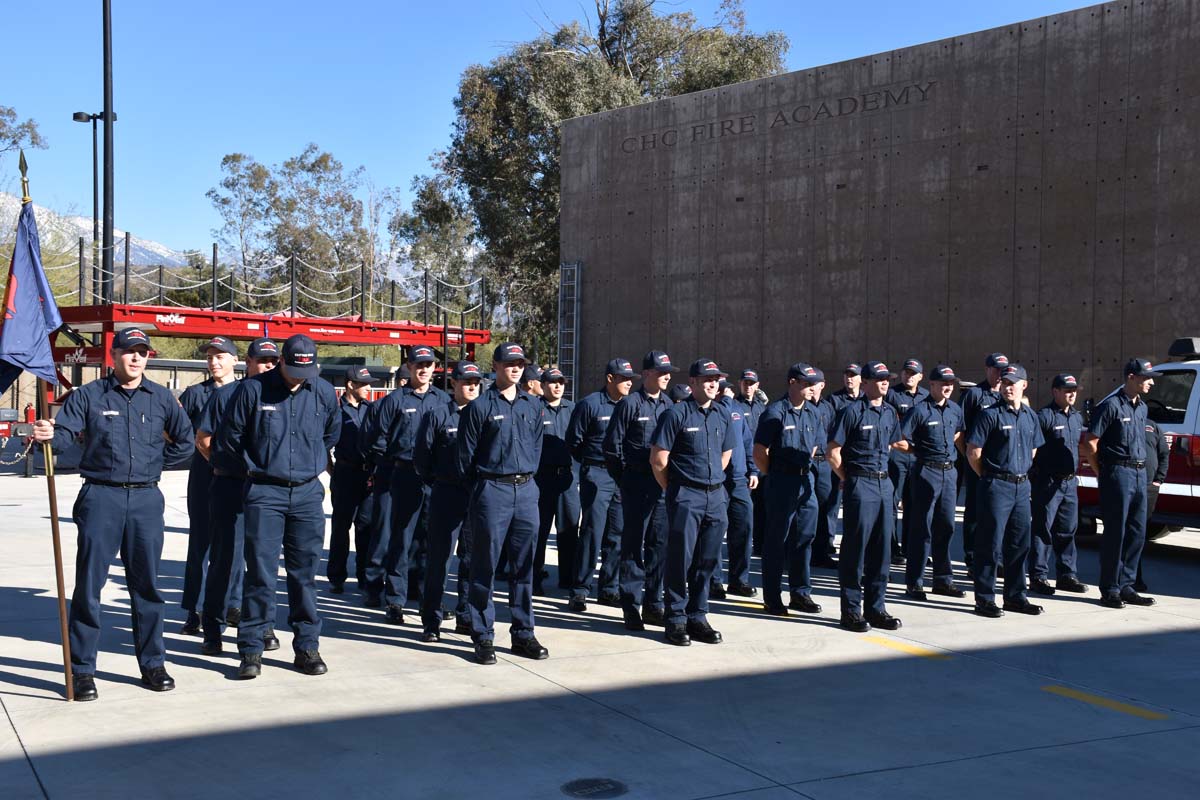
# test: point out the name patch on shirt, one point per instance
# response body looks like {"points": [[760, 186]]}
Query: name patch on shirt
{"points": [[867, 427], [110, 413], [604, 419], [1059, 427], [548, 422], [640, 419], [451, 430], [1124, 419], [497, 416], [933, 422], [266, 408], [1006, 427], [789, 427], [691, 430], [410, 411]]}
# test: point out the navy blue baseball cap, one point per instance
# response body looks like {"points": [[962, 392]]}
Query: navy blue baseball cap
{"points": [[130, 337], [1013, 373], [466, 370], [1065, 380], [300, 357], [530, 374], [805, 372], [263, 348], [877, 371], [404, 373], [914, 366], [705, 368], [997, 360], [750, 375], [658, 360], [222, 344], [1141, 368], [944, 373], [679, 392], [619, 367], [508, 352], [421, 354], [553, 374], [852, 369], [360, 375]]}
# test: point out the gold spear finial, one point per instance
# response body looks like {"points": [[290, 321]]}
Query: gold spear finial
{"points": [[21, 165]]}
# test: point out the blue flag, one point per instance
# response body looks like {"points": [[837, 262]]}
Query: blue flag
{"points": [[30, 313]]}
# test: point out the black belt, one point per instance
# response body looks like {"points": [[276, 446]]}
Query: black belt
{"points": [[1126, 462], [942, 465], [402, 463], [120, 485], [707, 487], [221, 473], [1010, 477], [867, 473], [819, 457], [789, 469], [260, 478], [1070, 476], [519, 479]]}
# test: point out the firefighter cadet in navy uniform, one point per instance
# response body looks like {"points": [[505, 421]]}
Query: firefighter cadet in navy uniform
{"points": [[1115, 448], [387, 439], [499, 448], [741, 479], [283, 423], [901, 463], [644, 524], [932, 430], [789, 433], [226, 506], [679, 392], [1054, 491], [851, 387], [130, 426], [558, 484], [691, 449], [752, 409], [862, 435], [599, 496], [982, 395], [1158, 456], [349, 485], [221, 355], [1000, 448], [435, 456], [825, 484]]}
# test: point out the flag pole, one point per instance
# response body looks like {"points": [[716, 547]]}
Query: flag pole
{"points": [[43, 412]]}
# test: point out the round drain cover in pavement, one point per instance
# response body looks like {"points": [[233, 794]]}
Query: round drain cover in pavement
{"points": [[594, 788]]}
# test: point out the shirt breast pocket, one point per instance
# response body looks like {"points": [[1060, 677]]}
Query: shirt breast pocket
{"points": [[268, 428], [111, 429]]}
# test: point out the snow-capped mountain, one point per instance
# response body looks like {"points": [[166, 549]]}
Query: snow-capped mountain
{"points": [[61, 234]]}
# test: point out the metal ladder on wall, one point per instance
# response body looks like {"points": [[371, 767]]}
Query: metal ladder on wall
{"points": [[568, 322]]}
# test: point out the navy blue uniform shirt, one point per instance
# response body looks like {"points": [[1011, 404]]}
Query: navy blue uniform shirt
{"points": [[1158, 453], [281, 435], [841, 398], [554, 439], [930, 429], [435, 454], [634, 420], [790, 433], [123, 430], [741, 463], [696, 439], [210, 422], [1061, 431], [826, 413], [353, 418], [496, 437], [390, 428], [589, 423], [976, 399], [904, 401], [866, 434], [1008, 438], [195, 399], [1121, 428], [752, 410]]}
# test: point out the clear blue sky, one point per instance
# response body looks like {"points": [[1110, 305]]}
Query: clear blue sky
{"points": [[371, 81]]}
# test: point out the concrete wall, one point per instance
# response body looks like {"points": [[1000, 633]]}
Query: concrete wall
{"points": [[1033, 189]]}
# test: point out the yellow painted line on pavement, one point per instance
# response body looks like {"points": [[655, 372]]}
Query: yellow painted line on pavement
{"points": [[1104, 702], [905, 647]]}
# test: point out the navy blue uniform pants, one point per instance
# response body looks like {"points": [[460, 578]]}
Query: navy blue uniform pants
{"points": [[599, 532], [199, 478], [970, 512], [759, 498], [792, 512], [643, 540], [387, 572], [351, 495], [929, 515], [112, 520], [447, 513], [696, 519], [1001, 537], [740, 535], [900, 469], [828, 487], [226, 555], [558, 508], [502, 516], [381, 531], [865, 559], [1123, 510], [1055, 520], [291, 519]]}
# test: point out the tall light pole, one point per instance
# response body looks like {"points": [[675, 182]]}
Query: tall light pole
{"points": [[107, 257], [83, 116]]}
